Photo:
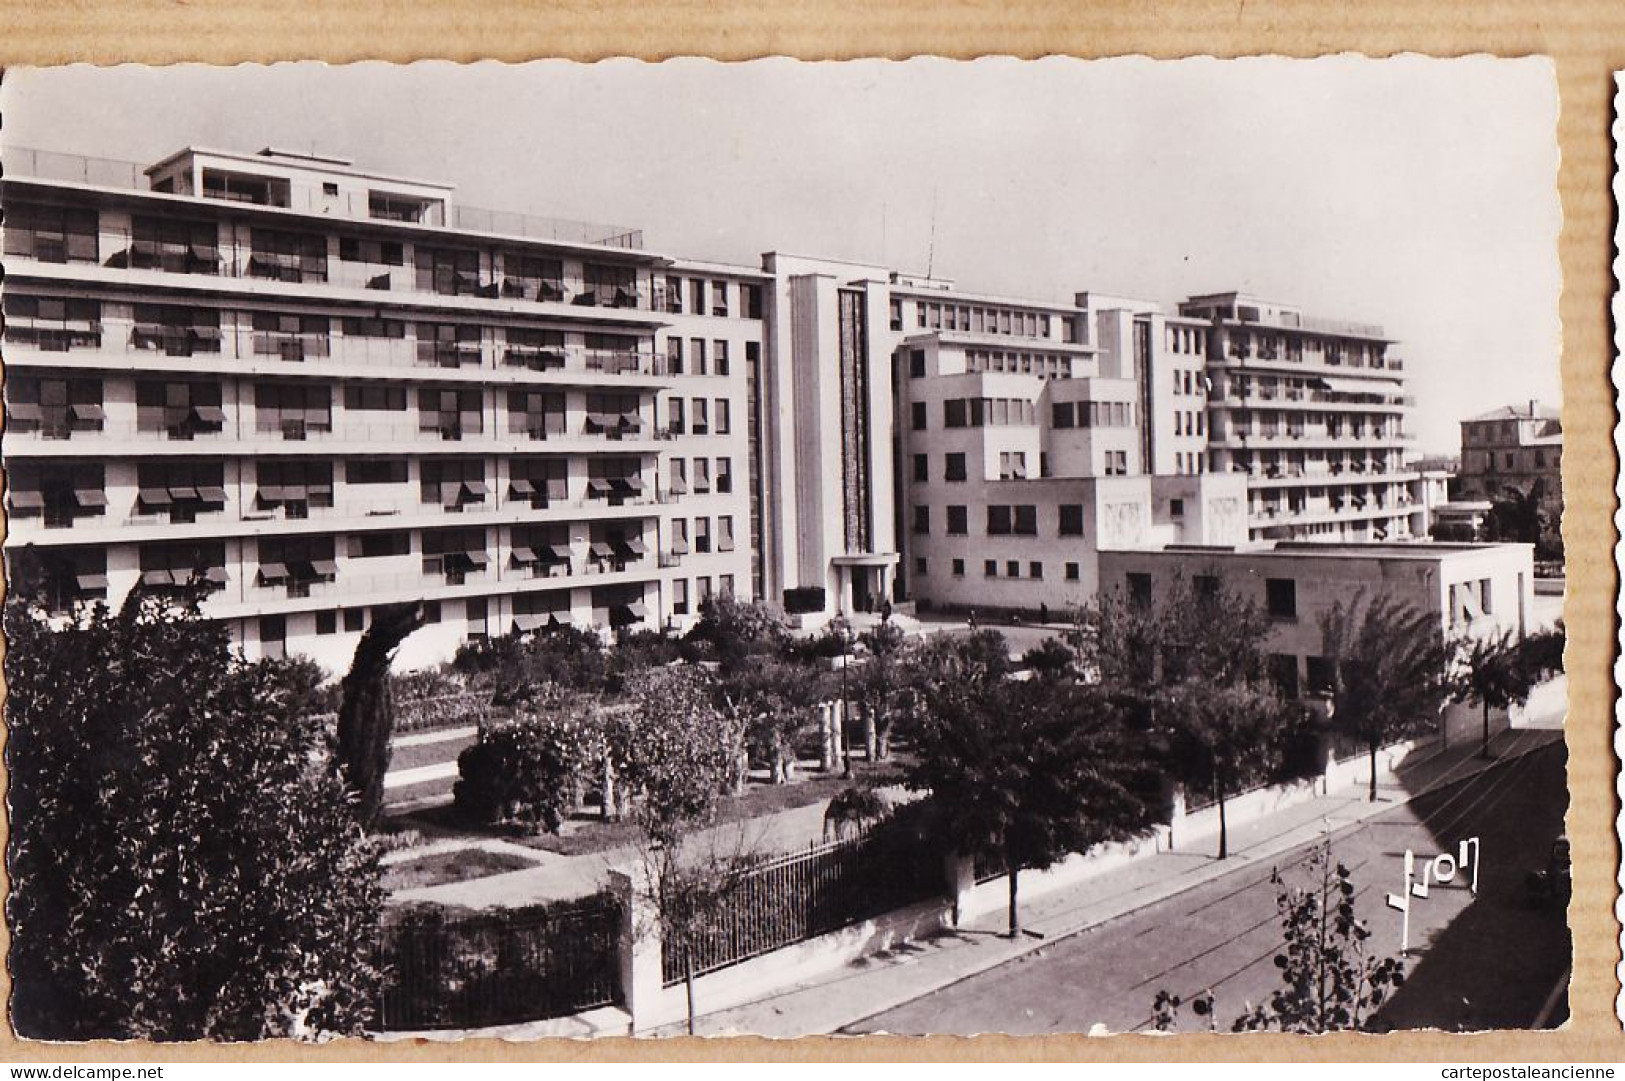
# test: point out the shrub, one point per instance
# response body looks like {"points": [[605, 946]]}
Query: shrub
{"points": [[524, 772]]}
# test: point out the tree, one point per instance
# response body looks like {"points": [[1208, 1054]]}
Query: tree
{"points": [[736, 629], [772, 701], [1517, 515], [367, 709], [1026, 772], [1329, 980], [879, 683], [1490, 676], [1225, 736], [1390, 670], [185, 861], [675, 752]]}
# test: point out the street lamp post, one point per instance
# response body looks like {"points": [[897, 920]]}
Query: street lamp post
{"points": [[845, 632]]}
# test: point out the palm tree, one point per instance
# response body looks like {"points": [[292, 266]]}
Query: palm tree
{"points": [[1490, 674], [1391, 669]]}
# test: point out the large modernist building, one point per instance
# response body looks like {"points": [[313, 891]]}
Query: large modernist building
{"points": [[322, 389]]}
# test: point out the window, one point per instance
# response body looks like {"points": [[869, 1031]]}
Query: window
{"points": [[990, 568], [380, 545], [177, 247], [375, 471], [1071, 572], [1062, 414], [916, 363], [175, 330], [1281, 597], [1035, 570], [53, 234], [292, 485], [1139, 589], [1026, 520], [724, 419], [719, 350], [750, 299], [292, 408], [1116, 463], [327, 622], [368, 397], [273, 635], [918, 411], [447, 271], [674, 356], [958, 521], [53, 324], [922, 520], [725, 533], [696, 290], [953, 467], [1012, 568], [922, 468], [1284, 672], [719, 298], [953, 413], [679, 597], [700, 413], [377, 252], [452, 413], [696, 351], [355, 620], [1176, 508], [183, 410], [896, 314], [1071, 519], [919, 565], [702, 475], [959, 568], [998, 520], [454, 483], [1320, 675], [724, 475], [702, 535], [1205, 586], [287, 257]]}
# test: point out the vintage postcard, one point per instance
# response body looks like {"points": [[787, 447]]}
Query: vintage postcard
{"points": [[934, 548]]}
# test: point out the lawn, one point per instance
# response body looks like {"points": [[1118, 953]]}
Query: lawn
{"points": [[458, 866], [587, 832]]}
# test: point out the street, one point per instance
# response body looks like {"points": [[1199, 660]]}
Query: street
{"points": [[1477, 963]]}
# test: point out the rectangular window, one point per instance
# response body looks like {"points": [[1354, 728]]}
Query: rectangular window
{"points": [[990, 568], [724, 419], [1071, 519], [1320, 675], [1284, 672], [958, 521], [953, 467], [699, 413], [1071, 572], [1281, 596], [916, 363], [919, 565], [719, 350], [696, 355], [380, 545], [959, 568], [1035, 570], [679, 597], [1026, 523], [674, 356], [1139, 589], [55, 234], [702, 535], [922, 520], [998, 521], [918, 411], [1012, 568], [375, 471], [725, 533], [922, 468], [724, 480], [719, 298], [953, 413]]}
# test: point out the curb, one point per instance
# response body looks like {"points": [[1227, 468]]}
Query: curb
{"points": [[1212, 871]]}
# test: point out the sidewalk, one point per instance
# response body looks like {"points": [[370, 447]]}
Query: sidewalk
{"points": [[875, 984]]}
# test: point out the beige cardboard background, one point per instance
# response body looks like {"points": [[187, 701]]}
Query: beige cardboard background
{"points": [[1587, 41]]}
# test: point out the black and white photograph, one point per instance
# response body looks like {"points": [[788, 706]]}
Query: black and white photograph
{"points": [[781, 548]]}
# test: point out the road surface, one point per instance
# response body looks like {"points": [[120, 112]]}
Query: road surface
{"points": [[1485, 962]]}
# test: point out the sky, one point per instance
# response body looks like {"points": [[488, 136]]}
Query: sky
{"points": [[1413, 193]]}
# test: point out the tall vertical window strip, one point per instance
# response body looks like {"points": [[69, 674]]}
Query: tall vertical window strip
{"points": [[753, 442], [855, 423]]}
